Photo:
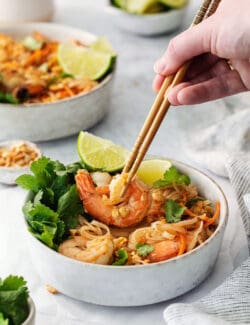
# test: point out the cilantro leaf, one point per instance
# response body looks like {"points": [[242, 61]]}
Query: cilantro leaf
{"points": [[14, 300], [69, 207], [172, 175], [41, 169], [173, 211], [8, 98], [122, 257], [38, 197], [3, 321], [144, 249], [28, 182], [44, 223]]}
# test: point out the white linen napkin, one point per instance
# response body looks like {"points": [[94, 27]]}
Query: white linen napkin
{"points": [[230, 302]]}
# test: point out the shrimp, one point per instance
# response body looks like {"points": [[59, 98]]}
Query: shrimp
{"points": [[98, 250], [130, 211], [165, 244], [163, 251]]}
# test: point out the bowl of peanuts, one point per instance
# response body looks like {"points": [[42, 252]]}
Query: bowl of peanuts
{"points": [[15, 159]]}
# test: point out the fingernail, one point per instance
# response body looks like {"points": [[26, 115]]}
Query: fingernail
{"points": [[159, 67]]}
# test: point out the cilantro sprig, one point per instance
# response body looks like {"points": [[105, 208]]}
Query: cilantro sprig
{"points": [[14, 308], [56, 204], [171, 176], [144, 249], [173, 211]]}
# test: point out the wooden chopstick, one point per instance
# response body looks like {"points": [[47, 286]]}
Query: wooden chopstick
{"points": [[161, 105]]}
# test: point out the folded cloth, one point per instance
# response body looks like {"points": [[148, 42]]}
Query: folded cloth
{"points": [[213, 146], [230, 302], [216, 131]]}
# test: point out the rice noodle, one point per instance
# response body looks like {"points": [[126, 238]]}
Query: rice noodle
{"points": [[193, 242]]}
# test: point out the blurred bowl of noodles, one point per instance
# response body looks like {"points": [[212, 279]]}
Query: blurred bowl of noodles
{"points": [[134, 285], [52, 115]]}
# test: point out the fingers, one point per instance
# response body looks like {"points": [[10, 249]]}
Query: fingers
{"points": [[220, 86], [193, 42], [200, 64], [219, 68], [158, 80]]}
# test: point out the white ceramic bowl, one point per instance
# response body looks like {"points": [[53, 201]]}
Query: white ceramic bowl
{"points": [[134, 285], [32, 313], [41, 122], [148, 24], [8, 175]]}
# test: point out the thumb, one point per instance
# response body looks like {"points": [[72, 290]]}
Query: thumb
{"points": [[192, 42]]}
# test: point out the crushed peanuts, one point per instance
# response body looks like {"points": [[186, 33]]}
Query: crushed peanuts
{"points": [[51, 289], [17, 156]]}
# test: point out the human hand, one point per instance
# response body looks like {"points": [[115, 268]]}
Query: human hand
{"points": [[226, 34]]}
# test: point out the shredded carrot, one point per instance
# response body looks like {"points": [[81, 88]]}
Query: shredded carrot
{"points": [[215, 216], [187, 211], [183, 244], [184, 193]]}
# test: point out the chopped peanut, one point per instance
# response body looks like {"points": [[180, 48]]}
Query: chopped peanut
{"points": [[17, 156]]}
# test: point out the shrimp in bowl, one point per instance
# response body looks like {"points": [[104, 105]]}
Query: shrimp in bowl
{"points": [[149, 224], [174, 240]]}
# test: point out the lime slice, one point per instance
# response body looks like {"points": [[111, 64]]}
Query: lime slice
{"points": [[102, 45], [120, 3], [84, 63], [174, 3], [100, 154], [155, 8], [139, 6], [153, 170]]}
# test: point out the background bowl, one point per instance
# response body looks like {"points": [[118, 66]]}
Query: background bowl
{"points": [[41, 122], [148, 24], [134, 285]]}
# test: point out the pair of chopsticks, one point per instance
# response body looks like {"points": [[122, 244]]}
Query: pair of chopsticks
{"points": [[161, 105]]}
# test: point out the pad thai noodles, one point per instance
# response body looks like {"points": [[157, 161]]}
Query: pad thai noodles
{"points": [[82, 215], [148, 225], [31, 72]]}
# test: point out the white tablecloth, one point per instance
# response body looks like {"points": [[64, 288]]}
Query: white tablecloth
{"points": [[130, 102]]}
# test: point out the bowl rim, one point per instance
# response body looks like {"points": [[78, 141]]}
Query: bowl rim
{"points": [[219, 228], [101, 84], [120, 11]]}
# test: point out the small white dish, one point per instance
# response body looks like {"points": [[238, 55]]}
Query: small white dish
{"points": [[134, 285], [8, 175], [32, 313], [148, 24]]}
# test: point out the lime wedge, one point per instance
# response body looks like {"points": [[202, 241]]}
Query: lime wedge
{"points": [[102, 45], [155, 8], [139, 6], [100, 154], [153, 170], [120, 3], [84, 63], [174, 3]]}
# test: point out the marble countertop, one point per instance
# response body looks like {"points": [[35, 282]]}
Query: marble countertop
{"points": [[128, 107]]}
